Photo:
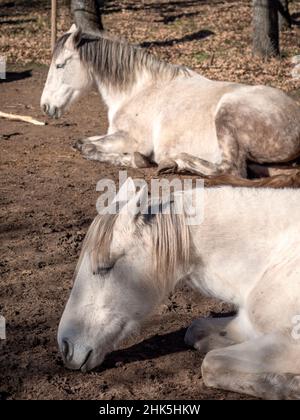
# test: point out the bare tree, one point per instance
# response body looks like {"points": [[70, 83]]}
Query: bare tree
{"points": [[266, 28], [87, 14]]}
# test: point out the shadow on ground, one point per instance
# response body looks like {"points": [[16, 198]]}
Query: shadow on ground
{"points": [[187, 38], [149, 349], [13, 76]]}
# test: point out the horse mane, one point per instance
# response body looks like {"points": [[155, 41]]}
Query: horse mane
{"points": [[171, 247], [116, 61], [170, 244]]}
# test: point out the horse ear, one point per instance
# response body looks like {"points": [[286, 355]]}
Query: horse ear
{"points": [[126, 192], [135, 204], [72, 29], [74, 39]]}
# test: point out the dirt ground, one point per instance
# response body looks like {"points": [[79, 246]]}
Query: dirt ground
{"points": [[47, 201]]}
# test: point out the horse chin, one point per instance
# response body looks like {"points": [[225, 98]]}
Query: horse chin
{"points": [[91, 363], [95, 359], [58, 114], [55, 112]]}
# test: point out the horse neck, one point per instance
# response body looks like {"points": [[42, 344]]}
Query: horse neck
{"points": [[241, 225], [115, 97]]}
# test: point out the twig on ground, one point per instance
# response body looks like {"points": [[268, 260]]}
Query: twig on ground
{"points": [[24, 118]]}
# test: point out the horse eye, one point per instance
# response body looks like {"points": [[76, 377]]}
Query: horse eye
{"points": [[60, 66], [103, 270]]}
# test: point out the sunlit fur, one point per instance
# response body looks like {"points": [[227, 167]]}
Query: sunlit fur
{"points": [[168, 114], [245, 252]]}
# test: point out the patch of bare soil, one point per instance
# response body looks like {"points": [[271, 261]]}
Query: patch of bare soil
{"points": [[47, 202]]}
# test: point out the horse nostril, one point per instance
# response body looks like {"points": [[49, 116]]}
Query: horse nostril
{"points": [[45, 108], [67, 350]]}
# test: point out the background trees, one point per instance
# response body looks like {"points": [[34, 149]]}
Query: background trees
{"points": [[269, 17], [285, 20], [265, 26], [87, 13]]}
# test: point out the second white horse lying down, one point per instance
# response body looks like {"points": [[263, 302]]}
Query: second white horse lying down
{"points": [[246, 251], [168, 114]]}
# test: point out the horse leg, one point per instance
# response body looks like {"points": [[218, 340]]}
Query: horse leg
{"points": [[117, 149], [183, 162], [79, 143], [133, 160], [265, 367], [118, 142], [206, 334], [232, 159]]}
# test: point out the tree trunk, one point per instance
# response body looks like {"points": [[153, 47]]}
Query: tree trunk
{"points": [[285, 20], [265, 25], [87, 14]]}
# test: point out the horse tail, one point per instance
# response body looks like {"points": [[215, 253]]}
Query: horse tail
{"points": [[290, 180]]}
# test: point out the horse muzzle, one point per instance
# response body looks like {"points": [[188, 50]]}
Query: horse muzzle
{"points": [[76, 356], [51, 111]]}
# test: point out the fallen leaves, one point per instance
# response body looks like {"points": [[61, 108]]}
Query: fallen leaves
{"points": [[213, 37]]}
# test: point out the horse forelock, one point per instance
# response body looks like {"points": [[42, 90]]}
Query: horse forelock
{"points": [[97, 243], [60, 45], [115, 61], [170, 238]]}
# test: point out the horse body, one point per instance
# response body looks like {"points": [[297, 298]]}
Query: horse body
{"points": [[168, 114], [222, 123], [240, 238], [244, 252], [164, 130]]}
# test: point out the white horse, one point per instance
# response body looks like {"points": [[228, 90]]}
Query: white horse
{"points": [[169, 114], [246, 252]]}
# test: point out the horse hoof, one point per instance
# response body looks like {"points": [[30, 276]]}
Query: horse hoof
{"points": [[167, 166], [88, 150], [78, 145], [140, 160]]}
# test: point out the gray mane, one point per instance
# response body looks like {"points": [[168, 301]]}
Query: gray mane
{"points": [[117, 62], [170, 243]]}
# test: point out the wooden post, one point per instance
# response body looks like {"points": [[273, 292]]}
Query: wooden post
{"points": [[53, 23]]}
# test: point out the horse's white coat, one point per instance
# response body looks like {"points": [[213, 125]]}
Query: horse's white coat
{"points": [[246, 252], [185, 121]]}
